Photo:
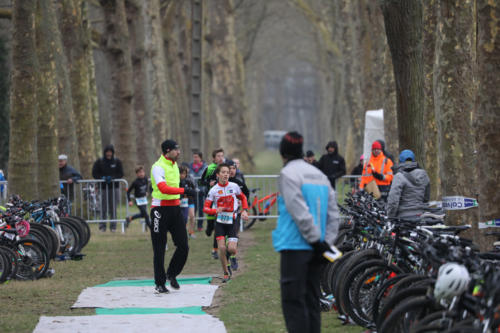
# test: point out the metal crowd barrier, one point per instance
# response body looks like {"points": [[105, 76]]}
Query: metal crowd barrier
{"points": [[97, 201]]}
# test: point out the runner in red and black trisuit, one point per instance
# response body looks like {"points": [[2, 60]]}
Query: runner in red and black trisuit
{"points": [[222, 201]]}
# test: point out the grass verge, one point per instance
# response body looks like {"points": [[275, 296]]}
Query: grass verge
{"points": [[251, 302], [248, 303]]}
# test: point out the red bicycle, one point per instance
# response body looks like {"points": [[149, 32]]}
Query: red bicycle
{"points": [[260, 207]]}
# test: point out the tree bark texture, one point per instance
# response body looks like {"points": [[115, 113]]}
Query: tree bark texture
{"points": [[177, 37], [403, 21], [49, 52], [120, 61], [67, 142], [226, 85], [430, 137], [488, 114], [454, 96], [23, 125], [76, 43], [136, 26], [156, 68], [4, 105]]}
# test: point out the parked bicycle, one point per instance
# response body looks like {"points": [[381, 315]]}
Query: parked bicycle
{"points": [[419, 275], [259, 207]]}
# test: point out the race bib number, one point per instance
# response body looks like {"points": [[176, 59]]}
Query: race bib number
{"points": [[141, 201], [225, 218], [184, 202]]}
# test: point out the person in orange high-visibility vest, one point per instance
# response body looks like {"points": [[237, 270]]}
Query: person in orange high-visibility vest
{"points": [[378, 168]]}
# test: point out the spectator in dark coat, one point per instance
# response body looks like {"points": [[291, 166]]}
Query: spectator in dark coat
{"points": [[108, 168], [357, 171], [309, 158], [332, 164]]}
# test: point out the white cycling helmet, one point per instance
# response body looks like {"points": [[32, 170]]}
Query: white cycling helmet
{"points": [[453, 279]]}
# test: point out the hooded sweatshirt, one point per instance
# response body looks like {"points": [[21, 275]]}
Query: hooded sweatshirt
{"points": [[104, 167], [332, 165], [409, 192]]}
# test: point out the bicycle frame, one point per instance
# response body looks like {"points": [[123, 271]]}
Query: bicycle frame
{"points": [[264, 204]]}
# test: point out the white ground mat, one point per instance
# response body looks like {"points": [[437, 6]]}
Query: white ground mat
{"points": [[131, 323], [144, 297]]}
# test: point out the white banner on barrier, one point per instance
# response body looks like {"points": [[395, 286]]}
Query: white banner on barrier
{"points": [[458, 203], [489, 224]]}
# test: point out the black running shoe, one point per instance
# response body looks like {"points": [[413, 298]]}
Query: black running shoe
{"points": [[173, 282], [215, 255], [161, 289], [234, 263]]}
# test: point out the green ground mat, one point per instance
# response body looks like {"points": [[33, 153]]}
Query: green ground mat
{"points": [[192, 310], [143, 283]]}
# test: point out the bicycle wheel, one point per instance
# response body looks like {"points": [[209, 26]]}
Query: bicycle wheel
{"points": [[360, 311], [5, 267], [82, 235], [34, 259], [394, 301], [14, 259], [250, 223], [68, 237], [86, 228], [382, 292], [52, 235], [37, 233], [407, 314], [355, 259]]}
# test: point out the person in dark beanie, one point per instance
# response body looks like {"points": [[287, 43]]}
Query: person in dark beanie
{"points": [[307, 226], [309, 158], [332, 164], [108, 168], [166, 216]]}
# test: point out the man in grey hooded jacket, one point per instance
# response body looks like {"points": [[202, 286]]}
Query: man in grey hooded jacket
{"points": [[307, 226], [410, 189]]}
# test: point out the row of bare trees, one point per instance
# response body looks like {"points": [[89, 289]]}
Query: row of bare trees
{"points": [[433, 67], [89, 73]]}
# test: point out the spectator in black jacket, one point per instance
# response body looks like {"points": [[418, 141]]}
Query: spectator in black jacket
{"points": [[332, 164], [140, 188], [357, 171], [108, 168], [70, 175], [309, 158]]}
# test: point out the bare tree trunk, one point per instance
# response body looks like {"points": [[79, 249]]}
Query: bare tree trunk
{"points": [[403, 26], [49, 52], [431, 139], [488, 114], [454, 95], [177, 52], [67, 142], [76, 43], [157, 72], [120, 61], [4, 105], [22, 158], [136, 26], [227, 81]]}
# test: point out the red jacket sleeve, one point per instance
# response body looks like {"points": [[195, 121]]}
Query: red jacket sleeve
{"points": [[207, 208], [165, 189], [244, 202]]}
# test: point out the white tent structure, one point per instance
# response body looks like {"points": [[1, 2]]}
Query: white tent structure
{"points": [[374, 130]]}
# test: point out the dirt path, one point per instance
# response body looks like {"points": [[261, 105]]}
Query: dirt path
{"points": [[245, 241]]}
